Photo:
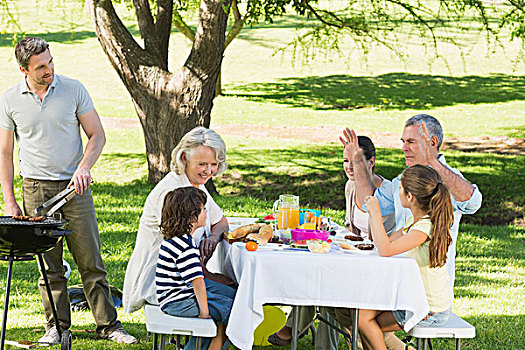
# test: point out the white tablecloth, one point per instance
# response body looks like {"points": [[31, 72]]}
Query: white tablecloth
{"points": [[293, 277]]}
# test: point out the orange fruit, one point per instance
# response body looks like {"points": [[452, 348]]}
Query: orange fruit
{"points": [[309, 216], [251, 246]]}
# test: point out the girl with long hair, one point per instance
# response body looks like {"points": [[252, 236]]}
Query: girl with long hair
{"points": [[426, 238]]}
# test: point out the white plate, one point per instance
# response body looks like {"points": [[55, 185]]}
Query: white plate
{"points": [[347, 241], [360, 252], [272, 246]]}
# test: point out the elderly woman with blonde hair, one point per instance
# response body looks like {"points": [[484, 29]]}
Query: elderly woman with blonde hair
{"points": [[200, 155]]}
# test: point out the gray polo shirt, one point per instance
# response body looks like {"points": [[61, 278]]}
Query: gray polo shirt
{"points": [[48, 130]]}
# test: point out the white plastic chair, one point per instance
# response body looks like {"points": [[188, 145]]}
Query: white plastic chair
{"points": [[456, 327], [159, 323]]}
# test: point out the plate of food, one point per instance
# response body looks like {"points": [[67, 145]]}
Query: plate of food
{"points": [[362, 248], [319, 246]]}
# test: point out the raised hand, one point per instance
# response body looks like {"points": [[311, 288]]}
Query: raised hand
{"points": [[425, 145], [352, 149]]}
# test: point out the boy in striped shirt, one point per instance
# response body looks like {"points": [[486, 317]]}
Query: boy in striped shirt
{"points": [[181, 288]]}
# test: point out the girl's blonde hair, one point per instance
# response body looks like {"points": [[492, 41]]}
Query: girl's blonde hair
{"points": [[433, 197]]}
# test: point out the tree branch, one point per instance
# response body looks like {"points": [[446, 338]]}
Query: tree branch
{"points": [[182, 27], [209, 39], [144, 19], [237, 25], [123, 52], [149, 33], [163, 27]]}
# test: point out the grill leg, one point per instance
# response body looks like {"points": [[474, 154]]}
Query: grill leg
{"points": [[49, 294], [6, 303]]}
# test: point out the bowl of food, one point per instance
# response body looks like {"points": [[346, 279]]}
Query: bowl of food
{"points": [[300, 234], [318, 246]]}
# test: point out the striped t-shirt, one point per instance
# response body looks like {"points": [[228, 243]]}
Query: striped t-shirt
{"points": [[178, 264]]}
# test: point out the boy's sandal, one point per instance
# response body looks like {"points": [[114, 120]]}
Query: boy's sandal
{"points": [[274, 339]]}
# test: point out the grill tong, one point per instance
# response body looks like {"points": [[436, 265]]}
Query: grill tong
{"points": [[56, 202]]}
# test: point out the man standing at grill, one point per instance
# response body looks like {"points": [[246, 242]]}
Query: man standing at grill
{"points": [[44, 113]]}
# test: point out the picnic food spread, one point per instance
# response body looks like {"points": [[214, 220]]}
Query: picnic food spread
{"points": [[318, 246], [281, 228]]}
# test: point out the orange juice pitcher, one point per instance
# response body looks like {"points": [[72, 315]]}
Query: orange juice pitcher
{"points": [[286, 209]]}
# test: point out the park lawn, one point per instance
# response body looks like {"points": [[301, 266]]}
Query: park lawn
{"points": [[480, 96], [490, 262], [477, 95]]}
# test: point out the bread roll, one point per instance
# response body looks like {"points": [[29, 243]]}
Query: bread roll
{"points": [[244, 230], [260, 239], [347, 246], [266, 231]]}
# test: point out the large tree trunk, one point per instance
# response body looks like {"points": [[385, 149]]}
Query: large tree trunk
{"points": [[168, 104]]}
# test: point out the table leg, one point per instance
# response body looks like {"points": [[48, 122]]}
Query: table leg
{"points": [[295, 321], [355, 324]]}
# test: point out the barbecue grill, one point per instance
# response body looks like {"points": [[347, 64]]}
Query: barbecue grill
{"points": [[21, 241]]}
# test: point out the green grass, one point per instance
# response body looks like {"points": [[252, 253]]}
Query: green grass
{"points": [[490, 262], [481, 95], [477, 95]]}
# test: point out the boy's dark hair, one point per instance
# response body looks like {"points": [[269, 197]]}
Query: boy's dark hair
{"points": [[181, 210]]}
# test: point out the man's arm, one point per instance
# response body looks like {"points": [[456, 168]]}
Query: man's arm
{"points": [[460, 188], [92, 126], [7, 141]]}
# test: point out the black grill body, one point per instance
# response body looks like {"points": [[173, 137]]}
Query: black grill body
{"points": [[27, 237], [22, 240]]}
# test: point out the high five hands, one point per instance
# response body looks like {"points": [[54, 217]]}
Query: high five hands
{"points": [[351, 145], [425, 146]]}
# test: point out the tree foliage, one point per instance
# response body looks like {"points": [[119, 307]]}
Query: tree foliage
{"points": [[389, 22], [169, 104]]}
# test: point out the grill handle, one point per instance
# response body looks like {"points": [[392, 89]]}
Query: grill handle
{"points": [[56, 233]]}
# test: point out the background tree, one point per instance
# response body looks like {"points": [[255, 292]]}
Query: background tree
{"points": [[241, 14], [170, 104]]}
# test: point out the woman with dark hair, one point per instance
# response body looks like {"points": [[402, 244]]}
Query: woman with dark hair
{"points": [[357, 220]]}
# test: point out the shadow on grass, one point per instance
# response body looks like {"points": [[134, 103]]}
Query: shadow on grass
{"points": [[84, 336], [386, 91], [63, 37]]}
